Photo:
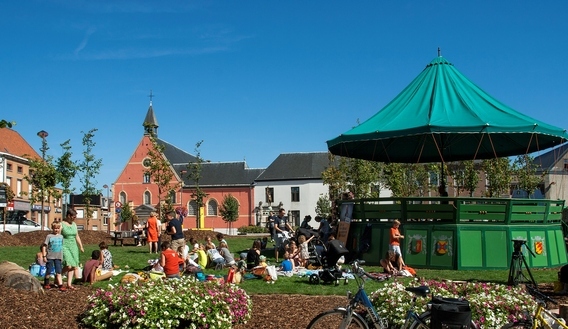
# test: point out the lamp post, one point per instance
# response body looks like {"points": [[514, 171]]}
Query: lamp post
{"points": [[181, 193], [108, 208], [42, 134]]}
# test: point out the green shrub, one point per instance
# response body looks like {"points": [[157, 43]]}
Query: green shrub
{"points": [[252, 229]]}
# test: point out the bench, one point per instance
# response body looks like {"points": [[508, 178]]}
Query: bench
{"points": [[118, 238]]}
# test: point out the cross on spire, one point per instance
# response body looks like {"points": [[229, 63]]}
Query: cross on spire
{"points": [[151, 96]]}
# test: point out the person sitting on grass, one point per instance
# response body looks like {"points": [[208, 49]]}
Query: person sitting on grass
{"points": [[214, 256], [92, 270], [392, 263], [170, 261], [201, 257], [287, 264], [253, 255], [226, 253], [106, 258], [40, 256]]}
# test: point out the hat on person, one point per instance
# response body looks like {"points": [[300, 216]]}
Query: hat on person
{"points": [[262, 258]]}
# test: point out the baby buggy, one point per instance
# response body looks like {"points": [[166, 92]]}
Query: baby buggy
{"points": [[331, 271]]}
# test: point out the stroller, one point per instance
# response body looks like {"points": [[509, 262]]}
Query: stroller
{"points": [[331, 272]]}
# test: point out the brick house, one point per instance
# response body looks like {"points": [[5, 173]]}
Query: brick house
{"points": [[14, 166], [134, 186]]}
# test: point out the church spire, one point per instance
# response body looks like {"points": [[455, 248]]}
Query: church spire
{"points": [[150, 123]]}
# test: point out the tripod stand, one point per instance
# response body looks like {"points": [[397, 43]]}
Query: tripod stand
{"points": [[518, 259]]}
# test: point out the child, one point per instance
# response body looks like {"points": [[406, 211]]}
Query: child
{"points": [[92, 269], [106, 258], [287, 264], [170, 261], [221, 239], [40, 256], [395, 238], [304, 252], [181, 251], [263, 261], [201, 257], [264, 243], [54, 254]]}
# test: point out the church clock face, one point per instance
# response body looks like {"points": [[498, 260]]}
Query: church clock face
{"points": [[146, 163]]}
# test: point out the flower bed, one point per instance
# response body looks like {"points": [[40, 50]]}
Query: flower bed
{"points": [[185, 303], [492, 305]]}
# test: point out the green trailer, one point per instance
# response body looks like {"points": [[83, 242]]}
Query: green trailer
{"points": [[459, 233]]}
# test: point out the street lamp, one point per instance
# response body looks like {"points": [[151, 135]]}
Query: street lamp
{"points": [[108, 208], [42, 134]]}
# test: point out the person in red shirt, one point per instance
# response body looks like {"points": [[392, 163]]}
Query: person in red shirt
{"points": [[395, 237], [170, 261]]}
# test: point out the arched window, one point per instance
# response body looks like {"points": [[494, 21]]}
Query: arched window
{"points": [[192, 208], [173, 196], [122, 197], [212, 208], [147, 197]]}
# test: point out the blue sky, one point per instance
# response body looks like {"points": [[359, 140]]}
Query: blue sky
{"points": [[254, 79]]}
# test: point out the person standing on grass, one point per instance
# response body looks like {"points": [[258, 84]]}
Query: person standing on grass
{"points": [[282, 228], [395, 237], [53, 254], [174, 229], [153, 228], [71, 246]]}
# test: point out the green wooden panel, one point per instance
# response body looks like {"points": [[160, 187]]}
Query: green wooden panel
{"points": [[561, 245], [416, 247], [432, 215], [488, 216], [553, 253], [538, 245], [470, 248], [443, 248], [524, 209], [483, 207], [495, 249]]}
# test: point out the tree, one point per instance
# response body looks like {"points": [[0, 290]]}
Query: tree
{"points": [[126, 214], [42, 178], [229, 210], [66, 170], [323, 206], [465, 176], [499, 175], [194, 172], [334, 177], [90, 167], [161, 173], [360, 175], [525, 169], [400, 179]]}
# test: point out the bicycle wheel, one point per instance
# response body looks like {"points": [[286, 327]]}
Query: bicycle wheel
{"points": [[521, 324], [334, 319]]}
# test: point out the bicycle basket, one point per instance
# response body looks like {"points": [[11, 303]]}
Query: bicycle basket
{"points": [[450, 313]]}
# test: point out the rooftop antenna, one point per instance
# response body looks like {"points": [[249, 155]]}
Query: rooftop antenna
{"points": [[152, 95], [439, 52]]}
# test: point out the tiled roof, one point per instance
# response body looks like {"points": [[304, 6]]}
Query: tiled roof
{"points": [[222, 174], [547, 160], [175, 155], [294, 166], [12, 142]]}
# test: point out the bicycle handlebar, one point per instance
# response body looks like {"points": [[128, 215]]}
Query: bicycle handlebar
{"points": [[360, 271], [539, 295]]}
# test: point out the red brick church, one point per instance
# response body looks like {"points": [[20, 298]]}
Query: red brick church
{"points": [[136, 188]]}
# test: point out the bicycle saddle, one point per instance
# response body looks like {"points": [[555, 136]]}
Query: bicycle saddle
{"points": [[421, 291]]}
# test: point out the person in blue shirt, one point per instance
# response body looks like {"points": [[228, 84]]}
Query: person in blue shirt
{"points": [[174, 229]]}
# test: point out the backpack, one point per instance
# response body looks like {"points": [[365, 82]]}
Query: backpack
{"points": [[450, 313]]}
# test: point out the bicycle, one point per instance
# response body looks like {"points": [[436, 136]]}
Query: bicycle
{"points": [[352, 317], [542, 317]]}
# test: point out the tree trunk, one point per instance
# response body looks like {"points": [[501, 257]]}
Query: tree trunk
{"points": [[14, 276]]}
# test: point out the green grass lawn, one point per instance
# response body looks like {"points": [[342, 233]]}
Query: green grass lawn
{"points": [[137, 258]]}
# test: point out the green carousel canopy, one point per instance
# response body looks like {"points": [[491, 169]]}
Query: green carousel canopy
{"points": [[442, 116]]}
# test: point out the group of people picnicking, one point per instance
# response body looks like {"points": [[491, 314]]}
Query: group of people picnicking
{"points": [[60, 250], [59, 253]]}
